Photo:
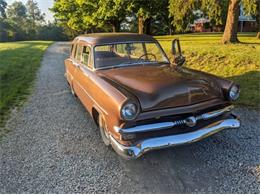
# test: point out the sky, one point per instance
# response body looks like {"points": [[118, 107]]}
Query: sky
{"points": [[44, 5]]}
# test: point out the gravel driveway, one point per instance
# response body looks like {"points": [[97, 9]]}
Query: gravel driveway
{"points": [[54, 147]]}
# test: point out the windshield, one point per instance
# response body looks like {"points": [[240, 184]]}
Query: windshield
{"points": [[126, 54]]}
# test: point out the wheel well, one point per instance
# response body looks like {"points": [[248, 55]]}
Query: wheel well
{"points": [[95, 115]]}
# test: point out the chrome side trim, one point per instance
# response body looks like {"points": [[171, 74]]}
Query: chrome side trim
{"points": [[170, 124], [139, 148]]}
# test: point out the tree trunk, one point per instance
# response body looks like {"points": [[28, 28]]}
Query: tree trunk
{"points": [[230, 33], [148, 26], [258, 19], [140, 25], [116, 26]]}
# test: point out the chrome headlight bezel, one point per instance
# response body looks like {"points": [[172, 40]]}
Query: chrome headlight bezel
{"points": [[127, 108], [233, 92]]}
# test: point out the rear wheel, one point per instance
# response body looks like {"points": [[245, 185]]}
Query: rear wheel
{"points": [[103, 130]]}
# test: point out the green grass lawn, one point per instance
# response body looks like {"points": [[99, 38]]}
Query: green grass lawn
{"points": [[237, 62], [19, 62]]}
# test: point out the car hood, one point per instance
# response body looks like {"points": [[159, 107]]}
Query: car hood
{"points": [[158, 87]]}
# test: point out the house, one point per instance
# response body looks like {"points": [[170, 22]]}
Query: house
{"points": [[246, 23], [202, 24]]}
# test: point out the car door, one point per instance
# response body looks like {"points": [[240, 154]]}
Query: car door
{"points": [[69, 64], [82, 74]]}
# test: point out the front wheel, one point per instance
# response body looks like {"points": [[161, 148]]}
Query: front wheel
{"points": [[103, 130]]}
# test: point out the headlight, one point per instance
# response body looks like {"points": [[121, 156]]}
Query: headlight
{"points": [[129, 111], [234, 93]]}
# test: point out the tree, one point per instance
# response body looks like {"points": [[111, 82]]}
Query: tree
{"points": [[219, 12], [52, 31], [3, 5], [182, 14], [230, 32], [34, 18], [16, 11], [250, 7], [75, 14], [146, 11], [90, 15], [258, 18], [33, 12], [17, 20], [215, 10], [111, 12]]}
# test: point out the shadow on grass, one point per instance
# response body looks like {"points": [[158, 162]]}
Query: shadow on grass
{"points": [[248, 43], [250, 88]]}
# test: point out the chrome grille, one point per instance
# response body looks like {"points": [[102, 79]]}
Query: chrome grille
{"points": [[190, 121]]}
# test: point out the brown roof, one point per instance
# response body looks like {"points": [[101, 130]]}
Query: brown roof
{"points": [[105, 38]]}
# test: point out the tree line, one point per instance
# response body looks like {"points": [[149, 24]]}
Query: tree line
{"points": [[154, 17], [151, 16], [20, 21]]}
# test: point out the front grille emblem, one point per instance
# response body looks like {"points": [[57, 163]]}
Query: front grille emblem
{"points": [[191, 121]]}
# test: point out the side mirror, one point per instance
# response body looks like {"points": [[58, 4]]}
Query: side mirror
{"points": [[179, 59]]}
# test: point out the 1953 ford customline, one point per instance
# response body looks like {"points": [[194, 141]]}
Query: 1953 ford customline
{"points": [[140, 100]]}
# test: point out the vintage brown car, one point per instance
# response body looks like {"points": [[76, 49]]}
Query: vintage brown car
{"points": [[140, 100]]}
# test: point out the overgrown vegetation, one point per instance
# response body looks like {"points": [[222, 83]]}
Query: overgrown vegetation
{"points": [[239, 62], [18, 65]]}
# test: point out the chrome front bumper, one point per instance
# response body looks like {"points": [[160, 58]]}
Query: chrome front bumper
{"points": [[139, 148]]}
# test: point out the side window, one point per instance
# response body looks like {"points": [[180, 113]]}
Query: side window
{"points": [[71, 50], [74, 51], [78, 52], [86, 56]]}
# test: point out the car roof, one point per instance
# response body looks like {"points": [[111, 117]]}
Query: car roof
{"points": [[108, 38]]}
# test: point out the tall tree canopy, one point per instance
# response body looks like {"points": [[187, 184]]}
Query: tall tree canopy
{"points": [[146, 11], [33, 11], [26, 22], [111, 12], [34, 17], [16, 11], [3, 5], [89, 15], [182, 14], [108, 15]]}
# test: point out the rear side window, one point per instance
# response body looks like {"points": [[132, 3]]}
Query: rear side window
{"points": [[78, 52], [86, 56]]}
